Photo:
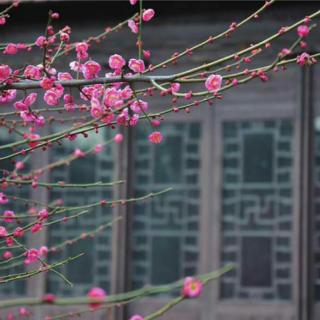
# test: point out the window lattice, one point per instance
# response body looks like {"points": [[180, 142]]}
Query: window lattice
{"points": [[93, 269], [257, 209], [165, 230]]}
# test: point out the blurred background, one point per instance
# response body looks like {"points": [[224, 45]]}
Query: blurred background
{"points": [[245, 171]]}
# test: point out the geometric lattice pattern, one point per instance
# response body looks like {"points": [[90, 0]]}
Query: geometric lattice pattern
{"points": [[14, 288], [257, 209], [92, 269], [166, 229]]}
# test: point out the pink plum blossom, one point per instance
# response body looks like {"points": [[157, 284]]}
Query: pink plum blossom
{"points": [[24, 312], [75, 66], [91, 69], [3, 232], [111, 97], [98, 148], [7, 96], [64, 76], [10, 49], [81, 49], [51, 98], [5, 71], [8, 216], [155, 137], [116, 62], [175, 87], [79, 153], [47, 83], [43, 214], [2, 21], [192, 287], [303, 59], [133, 26], [136, 317], [32, 72], [36, 227], [136, 65], [18, 232], [49, 298], [118, 138], [97, 295], [19, 165], [7, 255], [303, 30], [148, 14], [139, 106], [146, 54], [213, 83], [3, 198], [40, 41]]}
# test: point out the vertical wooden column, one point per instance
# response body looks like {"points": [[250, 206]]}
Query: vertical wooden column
{"points": [[306, 296], [121, 232], [36, 286]]}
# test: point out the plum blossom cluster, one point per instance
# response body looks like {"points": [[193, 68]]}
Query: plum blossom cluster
{"points": [[106, 95]]}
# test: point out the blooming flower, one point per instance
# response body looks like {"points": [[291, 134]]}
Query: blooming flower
{"points": [[147, 15], [303, 30], [133, 26], [98, 148], [133, 2], [137, 317], [43, 251], [118, 138], [75, 66], [19, 165], [116, 62], [51, 98], [47, 83], [136, 65], [81, 49], [126, 93], [63, 76], [97, 295], [213, 83], [8, 216], [32, 255], [40, 42], [91, 69], [18, 232], [36, 227], [175, 87], [3, 198], [146, 54], [111, 97], [155, 137], [32, 72], [192, 287], [303, 59], [7, 255], [78, 153], [11, 48], [3, 232], [24, 312], [5, 71], [139, 106], [69, 104], [43, 214], [7, 96], [49, 298]]}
